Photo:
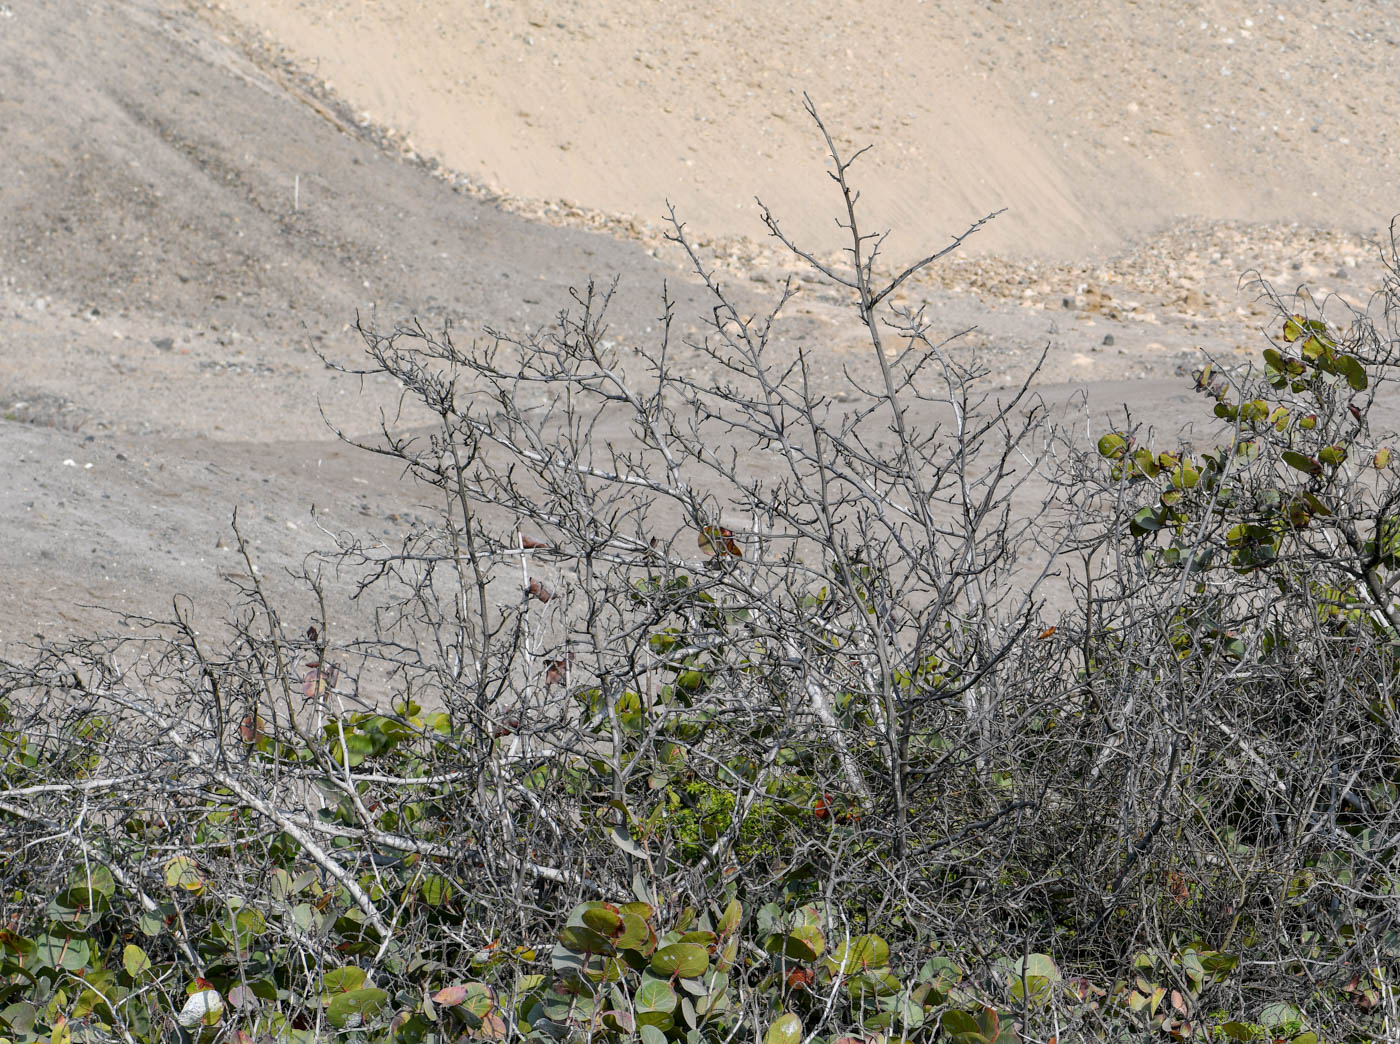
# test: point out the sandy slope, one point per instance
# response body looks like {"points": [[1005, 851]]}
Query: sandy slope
{"points": [[186, 218], [1094, 121]]}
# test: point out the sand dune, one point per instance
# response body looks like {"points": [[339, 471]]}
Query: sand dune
{"points": [[1096, 122]]}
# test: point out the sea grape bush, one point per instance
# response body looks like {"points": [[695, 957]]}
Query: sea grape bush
{"points": [[778, 720]]}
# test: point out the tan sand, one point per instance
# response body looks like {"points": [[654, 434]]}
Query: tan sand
{"points": [[1094, 121]]}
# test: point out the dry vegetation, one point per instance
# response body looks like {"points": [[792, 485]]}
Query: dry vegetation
{"points": [[758, 727]]}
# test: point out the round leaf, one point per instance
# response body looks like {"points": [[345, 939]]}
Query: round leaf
{"points": [[680, 960], [811, 937], [355, 1008], [785, 1030], [602, 918], [135, 961], [343, 980], [634, 934], [1113, 446], [655, 995], [584, 940], [181, 872]]}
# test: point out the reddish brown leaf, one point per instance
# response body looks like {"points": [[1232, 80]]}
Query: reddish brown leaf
{"points": [[450, 996], [492, 1027], [531, 542], [800, 978], [320, 679], [558, 671], [716, 540], [250, 729], [1048, 632], [539, 590], [1176, 884]]}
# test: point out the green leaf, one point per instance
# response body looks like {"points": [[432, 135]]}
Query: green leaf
{"points": [[59, 951], [1350, 367], [862, 953], [475, 998], [182, 873], [1113, 446], [355, 1008], [622, 838], [811, 937], [436, 890], [19, 1018], [651, 1035], [961, 1028], [1332, 456], [680, 960], [1145, 463], [603, 918], [1279, 1014], [94, 879], [151, 923], [135, 961], [655, 995], [785, 1030], [584, 940], [635, 933], [803, 943], [1301, 463], [729, 920], [1145, 521], [1032, 977], [1236, 1030], [343, 980]]}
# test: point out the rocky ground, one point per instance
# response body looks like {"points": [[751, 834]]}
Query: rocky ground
{"points": [[194, 216]]}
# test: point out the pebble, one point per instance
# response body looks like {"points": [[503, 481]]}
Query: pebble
{"points": [[1108, 339]]}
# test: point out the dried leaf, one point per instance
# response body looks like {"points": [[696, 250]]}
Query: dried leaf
{"points": [[718, 541], [320, 679], [558, 672]]}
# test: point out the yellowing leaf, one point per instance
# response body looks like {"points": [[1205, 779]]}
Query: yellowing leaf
{"points": [[181, 872]]}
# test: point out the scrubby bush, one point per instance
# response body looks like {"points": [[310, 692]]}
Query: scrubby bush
{"points": [[752, 723]]}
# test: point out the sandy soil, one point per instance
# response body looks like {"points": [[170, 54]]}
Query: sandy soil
{"points": [[195, 204], [1096, 122]]}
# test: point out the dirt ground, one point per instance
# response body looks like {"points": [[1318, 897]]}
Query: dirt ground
{"points": [[195, 205]]}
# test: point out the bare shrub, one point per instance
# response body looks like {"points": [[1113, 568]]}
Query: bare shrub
{"points": [[712, 708]]}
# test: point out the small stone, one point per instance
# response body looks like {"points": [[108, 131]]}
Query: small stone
{"points": [[1108, 339], [163, 343]]}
